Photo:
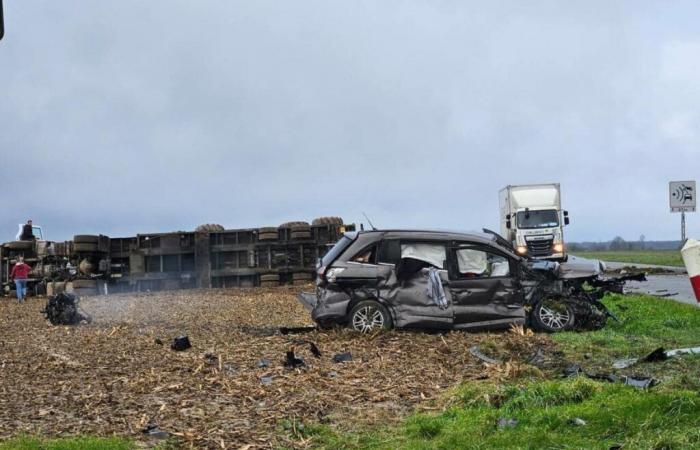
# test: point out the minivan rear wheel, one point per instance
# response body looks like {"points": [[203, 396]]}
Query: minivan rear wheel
{"points": [[369, 316]]}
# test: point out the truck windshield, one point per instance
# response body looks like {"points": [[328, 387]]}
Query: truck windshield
{"points": [[538, 219]]}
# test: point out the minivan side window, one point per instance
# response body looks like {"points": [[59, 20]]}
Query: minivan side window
{"points": [[368, 255], [477, 263], [432, 253]]}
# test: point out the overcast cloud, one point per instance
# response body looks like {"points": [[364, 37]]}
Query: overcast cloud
{"points": [[128, 117]]}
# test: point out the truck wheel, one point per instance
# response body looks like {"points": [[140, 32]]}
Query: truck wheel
{"points": [[552, 314], [294, 224], [86, 239], [268, 234], [84, 247], [20, 245], [369, 316], [327, 221]]}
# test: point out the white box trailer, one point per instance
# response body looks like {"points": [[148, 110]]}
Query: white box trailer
{"points": [[533, 221]]}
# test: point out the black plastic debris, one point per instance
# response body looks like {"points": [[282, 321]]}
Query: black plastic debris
{"points": [[264, 363], [537, 358], [657, 355], [477, 352], [314, 350], [211, 359], [62, 309], [158, 341], [638, 382], [181, 343], [296, 330], [342, 357], [292, 361], [507, 423], [155, 432]]}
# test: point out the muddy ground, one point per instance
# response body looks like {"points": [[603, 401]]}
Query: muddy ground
{"points": [[112, 377]]}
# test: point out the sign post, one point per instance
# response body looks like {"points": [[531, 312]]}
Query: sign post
{"points": [[682, 197]]}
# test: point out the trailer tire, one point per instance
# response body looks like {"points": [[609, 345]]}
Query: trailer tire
{"points": [[84, 284], [300, 235], [86, 239], [84, 247], [20, 245], [327, 221], [268, 234], [294, 224], [552, 315]]}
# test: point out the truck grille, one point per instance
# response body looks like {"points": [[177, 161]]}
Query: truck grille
{"points": [[540, 248]]}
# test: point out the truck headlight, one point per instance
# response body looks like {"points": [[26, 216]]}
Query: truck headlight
{"points": [[521, 249], [558, 248]]}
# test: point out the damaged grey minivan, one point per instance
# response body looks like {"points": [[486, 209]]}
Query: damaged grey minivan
{"points": [[441, 280]]}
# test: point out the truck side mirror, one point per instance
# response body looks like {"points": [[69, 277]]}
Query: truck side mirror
{"points": [[508, 224], [566, 217]]}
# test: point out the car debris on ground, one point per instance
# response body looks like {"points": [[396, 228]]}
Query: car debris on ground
{"points": [[63, 309], [111, 374], [657, 355]]}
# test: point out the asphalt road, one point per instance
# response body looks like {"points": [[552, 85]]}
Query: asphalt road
{"points": [[675, 286]]}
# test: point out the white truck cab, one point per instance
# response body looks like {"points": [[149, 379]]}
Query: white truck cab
{"points": [[533, 221]]}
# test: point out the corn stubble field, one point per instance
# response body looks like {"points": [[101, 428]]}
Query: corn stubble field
{"points": [[113, 377]]}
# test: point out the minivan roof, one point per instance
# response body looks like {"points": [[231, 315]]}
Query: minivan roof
{"points": [[441, 234]]}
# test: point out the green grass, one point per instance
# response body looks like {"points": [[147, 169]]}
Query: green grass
{"points": [[74, 443], [658, 257], [664, 417]]}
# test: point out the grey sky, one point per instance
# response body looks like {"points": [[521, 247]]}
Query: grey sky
{"points": [[140, 116]]}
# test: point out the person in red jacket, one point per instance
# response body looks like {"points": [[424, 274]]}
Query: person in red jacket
{"points": [[20, 273]]}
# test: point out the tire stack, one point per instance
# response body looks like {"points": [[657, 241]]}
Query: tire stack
{"points": [[301, 278], [268, 234], [270, 280]]}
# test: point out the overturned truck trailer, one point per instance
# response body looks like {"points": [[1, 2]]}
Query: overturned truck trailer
{"points": [[209, 257]]}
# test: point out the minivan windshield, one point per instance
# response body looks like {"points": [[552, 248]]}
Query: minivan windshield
{"points": [[545, 218], [337, 249]]}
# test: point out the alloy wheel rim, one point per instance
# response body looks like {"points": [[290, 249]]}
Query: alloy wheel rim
{"points": [[367, 318], [554, 319]]}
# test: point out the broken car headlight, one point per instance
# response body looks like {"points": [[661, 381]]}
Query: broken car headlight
{"points": [[332, 273]]}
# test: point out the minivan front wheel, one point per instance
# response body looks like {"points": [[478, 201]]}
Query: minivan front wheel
{"points": [[369, 316], [552, 315]]}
